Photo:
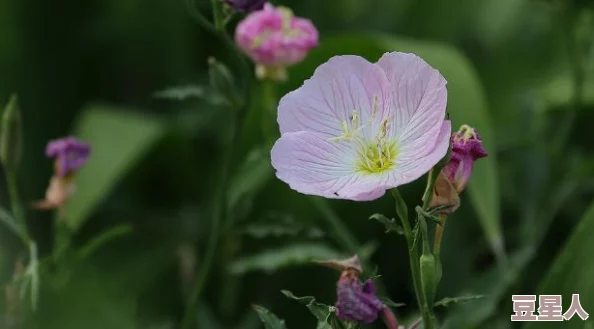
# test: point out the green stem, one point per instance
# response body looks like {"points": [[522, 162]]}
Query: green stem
{"points": [[439, 235], [16, 206], [413, 256], [217, 13], [269, 111], [220, 205]]}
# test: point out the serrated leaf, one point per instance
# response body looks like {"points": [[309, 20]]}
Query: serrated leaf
{"points": [[457, 300], [278, 258], [320, 310], [390, 223], [269, 319], [250, 177], [119, 139]]}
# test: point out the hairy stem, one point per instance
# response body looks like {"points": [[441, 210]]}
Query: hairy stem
{"points": [[413, 256]]}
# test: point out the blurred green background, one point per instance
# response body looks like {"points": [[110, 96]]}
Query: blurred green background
{"points": [[520, 71]]}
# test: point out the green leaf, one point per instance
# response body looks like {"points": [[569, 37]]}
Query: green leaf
{"points": [[250, 177], [457, 300], [11, 135], [9, 221], [270, 320], [275, 259], [572, 272], [119, 139], [390, 303], [466, 105], [181, 93], [319, 310], [104, 238], [390, 223]]}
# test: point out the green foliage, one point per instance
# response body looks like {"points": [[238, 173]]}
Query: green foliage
{"points": [[319, 310], [250, 177], [119, 138], [9, 222], [11, 135], [278, 258], [269, 319], [572, 272], [456, 300], [390, 223]]}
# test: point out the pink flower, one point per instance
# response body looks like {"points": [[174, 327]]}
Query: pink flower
{"points": [[467, 147], [357, 129], [274, 38]]}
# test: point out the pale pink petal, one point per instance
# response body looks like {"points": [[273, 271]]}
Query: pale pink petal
{"points": [[419, 96], [416, 159], [338, 87], [311, 164]]}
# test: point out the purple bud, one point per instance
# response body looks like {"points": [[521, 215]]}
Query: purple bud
{"points": [[467, 147], [69, 153], [246, 6], [356, 302]]}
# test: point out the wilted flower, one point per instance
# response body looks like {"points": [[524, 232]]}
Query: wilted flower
{"points": [[246, 6], [356, 129], [70, 155], [467, 147], [274, 38], [356, 301]]}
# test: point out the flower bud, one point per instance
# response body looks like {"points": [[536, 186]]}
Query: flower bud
{"points": [[429, 276], [467, 147], [69, 153], [11, 135], [275, 39], [246, 6]]}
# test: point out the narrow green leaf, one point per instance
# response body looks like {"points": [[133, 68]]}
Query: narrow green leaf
{"points": [[250, 177], [319, 310], [457, 300], [181, 93], [466, 105], [390, 303], [269, 319], [118, 140], [9, 221], [104, 238], [390, 223], [275, 259], [572, 273], [11, 135]]}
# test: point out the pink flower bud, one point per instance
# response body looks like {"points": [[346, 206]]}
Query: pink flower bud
{"points": [[274, 38], [467, 147]]}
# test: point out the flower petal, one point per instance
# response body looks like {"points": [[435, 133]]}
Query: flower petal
{"points": [[417, 158], [419, 96], [337, 88], [312, 164]]}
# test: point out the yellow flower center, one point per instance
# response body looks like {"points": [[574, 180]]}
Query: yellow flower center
{"points": [[373, 156], [376, 158]]}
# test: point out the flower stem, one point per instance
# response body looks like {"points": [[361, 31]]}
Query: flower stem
{"points": [[16, 206], [439, 235], [269, 111], [218, 212], [413, 256], [218, 17]]}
